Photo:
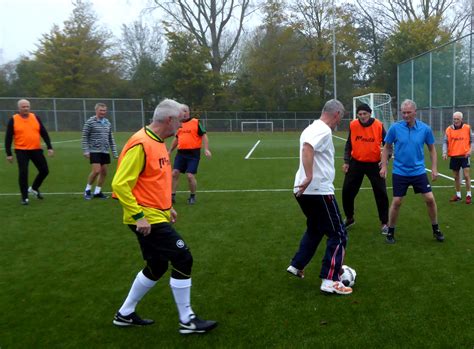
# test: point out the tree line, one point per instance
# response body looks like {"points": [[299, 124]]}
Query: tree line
{"points": [[237, 54]]}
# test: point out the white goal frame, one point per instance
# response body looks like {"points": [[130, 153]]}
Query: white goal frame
{"points": [[381, 105], [257, 123]]}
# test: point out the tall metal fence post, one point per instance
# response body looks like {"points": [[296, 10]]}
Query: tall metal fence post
{"points": [[113, 115], [143, 113], [55, 115]]}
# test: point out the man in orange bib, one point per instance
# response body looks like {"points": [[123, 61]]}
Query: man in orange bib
{"points": [[25, 130], [457, 145], [189, 139], [362, 158], [142, 184]]}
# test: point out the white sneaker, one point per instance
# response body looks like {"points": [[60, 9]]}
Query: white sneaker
{"points": [[384, 229], [335, 287], [296, 272]]}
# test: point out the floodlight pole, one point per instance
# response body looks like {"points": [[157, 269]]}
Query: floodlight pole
{"points": [[334, 48]]}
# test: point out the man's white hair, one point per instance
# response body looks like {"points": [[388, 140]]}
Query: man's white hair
{"points": [[409, 102], [22, 101], [166, 108], [458, 113]]}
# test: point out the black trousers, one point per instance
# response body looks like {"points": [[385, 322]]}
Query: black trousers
{"points": [[353, 181], [23, 158]]}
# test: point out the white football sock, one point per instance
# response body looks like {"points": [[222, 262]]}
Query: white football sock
{"points": [[468, 193], [97, 190], [181, 289], [458, 194], [88, 187], [141, 285]]}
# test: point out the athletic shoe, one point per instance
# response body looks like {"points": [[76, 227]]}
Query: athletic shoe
{"points": [[438, 235], [468, 200], [296, 272], [192, 200], [390, 239], [455, 198], [131, 320], [35, 192], [87, 195], [348, 222], [25, 202], [100, 196], [336, 287], [384, 229], [196, 325]]}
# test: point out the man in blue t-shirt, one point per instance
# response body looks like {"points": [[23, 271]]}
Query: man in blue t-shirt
{"points": [[409, 137]]}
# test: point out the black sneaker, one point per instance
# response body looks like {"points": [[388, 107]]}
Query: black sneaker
{"points": [[191, 200], [131, 320], [173, 200], [349, 221], [36, 193], [196, 325], [100, 196], [438, 235], [87, 195], [390, 239], [25, 202]]}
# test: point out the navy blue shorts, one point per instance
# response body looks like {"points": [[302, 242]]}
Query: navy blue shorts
{"points": [[401, 183], [456, 164], [187, 161], [99, 158]]}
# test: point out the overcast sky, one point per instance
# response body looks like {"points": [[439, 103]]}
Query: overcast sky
{"points": [[22, 22]]}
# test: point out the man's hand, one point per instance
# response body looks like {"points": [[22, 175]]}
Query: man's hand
{"points": [[207, 152], [303, 185], [143, 227], [434, 174], [445, 156], [345, 168], [50, 152], [87, 155], [383, 171], [174, 215], [10, 159]]}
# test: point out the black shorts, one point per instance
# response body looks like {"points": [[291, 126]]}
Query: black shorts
{"points": [[401, 183], [163, 243], [187, 161], [456, 163], [99, 158]]}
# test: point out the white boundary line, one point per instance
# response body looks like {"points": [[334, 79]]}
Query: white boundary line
{"points": [[69, 141], [213, 191], [251, 150]]}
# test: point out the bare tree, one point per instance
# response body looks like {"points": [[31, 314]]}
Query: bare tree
{"points": [[216, 25], [454, 14], [140, 42]]}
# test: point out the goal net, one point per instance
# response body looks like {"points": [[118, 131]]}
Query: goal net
{"points": [[256, 126], [381, 105]]}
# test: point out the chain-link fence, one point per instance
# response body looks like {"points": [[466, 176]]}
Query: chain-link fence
{"points": [[70, 114], [127, 115], [440, 81]]}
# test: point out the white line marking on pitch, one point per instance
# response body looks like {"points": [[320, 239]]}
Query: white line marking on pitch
{"points": [[251, 150], [342, 139], [211, 191], [71, 140]]}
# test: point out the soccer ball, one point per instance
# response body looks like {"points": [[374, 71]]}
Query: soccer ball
{"points": [[347, 276]]}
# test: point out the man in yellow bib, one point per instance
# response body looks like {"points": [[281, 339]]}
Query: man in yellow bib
{"points": [[142, 184]]}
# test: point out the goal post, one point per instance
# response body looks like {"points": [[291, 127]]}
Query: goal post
{"points": [[257, 126], [381, 105]]}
